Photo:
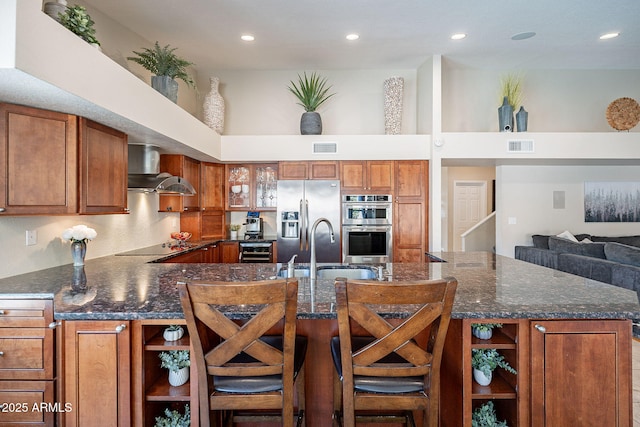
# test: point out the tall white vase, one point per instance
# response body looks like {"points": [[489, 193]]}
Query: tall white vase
{"points": [[213, 107], [393, 92]]}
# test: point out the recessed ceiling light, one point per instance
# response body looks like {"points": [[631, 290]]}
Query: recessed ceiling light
{"points": [[458, 36], [523, 36], [609, 36], [247, 37], [353, 36]]}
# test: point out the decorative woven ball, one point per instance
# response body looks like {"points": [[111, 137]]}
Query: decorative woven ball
{"points": [[623, 113]]}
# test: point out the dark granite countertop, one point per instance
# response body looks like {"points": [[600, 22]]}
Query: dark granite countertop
{"points": [[490, 286]]}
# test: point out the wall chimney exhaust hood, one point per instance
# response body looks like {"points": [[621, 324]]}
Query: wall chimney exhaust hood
{"points": [[145, 176]]}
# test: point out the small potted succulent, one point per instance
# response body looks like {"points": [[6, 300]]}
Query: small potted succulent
{"points": [[485, 416], [76, 19], [166, 67], [484, 331], [177, 362], [173, 333], [485, 361], [234, 228], [311, 91], [173, 418]]}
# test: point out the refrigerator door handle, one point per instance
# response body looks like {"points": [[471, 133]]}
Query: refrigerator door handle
{"points": [[302, 227], [306, 224]]}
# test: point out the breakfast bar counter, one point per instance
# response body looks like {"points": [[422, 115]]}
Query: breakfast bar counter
{"points": [[550, 320]]}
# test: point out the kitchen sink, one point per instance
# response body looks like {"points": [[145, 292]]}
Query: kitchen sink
{"points": [[330, 272]]}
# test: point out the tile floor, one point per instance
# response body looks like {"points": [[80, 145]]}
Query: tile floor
{"points": [[636, 383]]}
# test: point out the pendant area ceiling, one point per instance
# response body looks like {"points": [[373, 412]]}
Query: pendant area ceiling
{"points": [[310, 34]]}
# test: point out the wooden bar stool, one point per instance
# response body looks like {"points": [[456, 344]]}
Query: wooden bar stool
{"points": [[390, 368], [245, 368]]}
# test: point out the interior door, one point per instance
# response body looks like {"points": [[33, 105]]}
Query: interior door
{"points": [[470, 206]]}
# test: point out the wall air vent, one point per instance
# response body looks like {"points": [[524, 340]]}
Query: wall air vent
{"points": [[325, 147], [520, 146]]}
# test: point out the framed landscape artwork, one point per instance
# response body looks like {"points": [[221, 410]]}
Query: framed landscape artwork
{"points": [[612, 201]]}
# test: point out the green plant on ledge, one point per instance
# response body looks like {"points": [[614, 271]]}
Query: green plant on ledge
{"points": [[235, 227], [485, 416], [310, 91], [511, 88], [162, 61], [174, 418], [487, 360], [174, 360], [76, 19]]}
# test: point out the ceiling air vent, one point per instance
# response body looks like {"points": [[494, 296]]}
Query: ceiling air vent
{"points": [[325, 147], [520, 146]]}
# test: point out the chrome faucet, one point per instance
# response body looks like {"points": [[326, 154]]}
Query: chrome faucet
{"points": [[314, 267], [291, 272]]}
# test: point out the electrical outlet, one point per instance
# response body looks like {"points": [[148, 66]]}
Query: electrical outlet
{"points": [[31, 237]]}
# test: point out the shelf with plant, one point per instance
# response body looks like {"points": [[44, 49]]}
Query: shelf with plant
{"points": [[485, 415], [155, 340], [174, 418], [502, 382], [503, 336]]}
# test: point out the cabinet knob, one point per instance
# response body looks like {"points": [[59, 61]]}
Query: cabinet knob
{"points": [[2, 209], [53, 325], [541, 328], [121, 328], [1, 312], [127, 210], [1, 353]]}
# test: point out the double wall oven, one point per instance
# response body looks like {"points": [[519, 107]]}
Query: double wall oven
{"points": [[367, 228]]}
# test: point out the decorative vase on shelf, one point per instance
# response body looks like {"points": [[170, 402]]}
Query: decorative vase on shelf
{"points": [[505, 116], [179, 377], [522, 120], [393, 93], [481, 378], [234, 235], [311, 123], [173, 334], [78, 252], [213, 107], [54, 8], [166, 86], [482, 334]]}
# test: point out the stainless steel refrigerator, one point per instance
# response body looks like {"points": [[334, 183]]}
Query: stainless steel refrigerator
{"points": [[300, 204]]}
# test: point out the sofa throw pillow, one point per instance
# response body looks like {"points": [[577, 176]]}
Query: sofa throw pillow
{"points": [[624, 254], [540, 241], [567, 235], [594, 250]]}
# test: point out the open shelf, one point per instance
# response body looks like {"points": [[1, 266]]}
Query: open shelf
{"points": [[161, 390]]}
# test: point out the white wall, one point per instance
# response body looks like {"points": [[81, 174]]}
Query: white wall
{"points": [[258, 102], [557, 100], [143, 226], [525, 194]]}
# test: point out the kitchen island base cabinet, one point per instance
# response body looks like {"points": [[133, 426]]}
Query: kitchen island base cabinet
{"points": [[97, 373], [581, 373]]}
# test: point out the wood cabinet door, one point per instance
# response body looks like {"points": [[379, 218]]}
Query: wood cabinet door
{"points": [[293, 170], [581, 373], [97, 373], [38, 161], [324, 170], [408, 231], [229, 252], [103, 169], [353, 175], [213, 224], [212, 187], [187, 168], [380, 176], [411, 179]]}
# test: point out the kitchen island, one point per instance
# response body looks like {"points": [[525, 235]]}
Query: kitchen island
{"points": [[134, 291]]}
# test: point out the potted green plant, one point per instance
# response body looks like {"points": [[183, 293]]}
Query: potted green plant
{"points": [[485, 361], [484, 331], [76, 19], [173, 418], [173, 333], [485, 416], [166, 67], [311, 91], [177, 362], [234, 228]]}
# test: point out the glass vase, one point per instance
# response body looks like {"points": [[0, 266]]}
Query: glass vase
{"points": [[78, 251]]}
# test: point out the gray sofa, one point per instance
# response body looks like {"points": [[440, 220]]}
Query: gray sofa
{"points": [[613, 260]]}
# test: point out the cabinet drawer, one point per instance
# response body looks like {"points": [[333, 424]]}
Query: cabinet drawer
{"points": [[26, 353], [28, 403], [25, 313]]}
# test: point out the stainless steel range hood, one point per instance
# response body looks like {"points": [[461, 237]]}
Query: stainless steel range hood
{"points": [[145, 176]]}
